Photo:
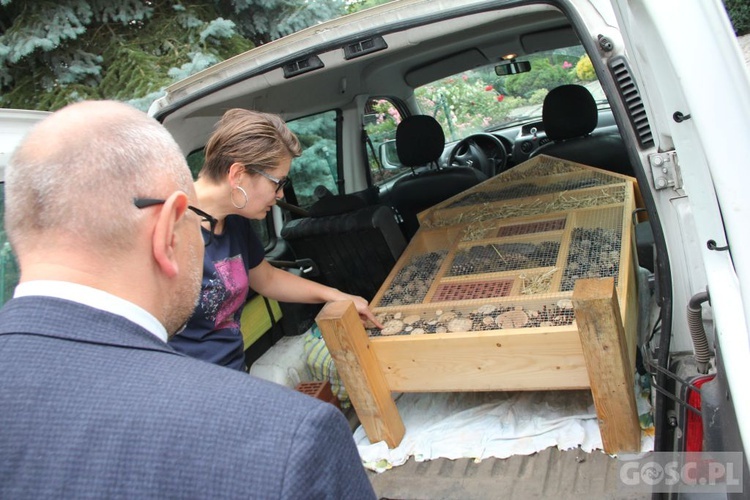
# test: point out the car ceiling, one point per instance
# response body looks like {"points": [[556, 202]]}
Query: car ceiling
{"points": [[414, 56]]}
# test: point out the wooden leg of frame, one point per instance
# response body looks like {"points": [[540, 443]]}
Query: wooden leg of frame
{"points": [[605, 350], [360, 371]]}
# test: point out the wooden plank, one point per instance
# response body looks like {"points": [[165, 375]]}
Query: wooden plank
{"points": [[442, 270], [469, 306], [562, 256], [630, 311], [547, 205], [540, 170], [627, 283], [513, 359], [359, 369], [605, 350]]}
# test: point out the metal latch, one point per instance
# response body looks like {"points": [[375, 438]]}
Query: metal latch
{"points": [[665, 170]]}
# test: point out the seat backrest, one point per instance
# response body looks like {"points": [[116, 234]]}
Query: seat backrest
{"points": [[570, 115], [420, 141], [354, 251], [414, 193]]}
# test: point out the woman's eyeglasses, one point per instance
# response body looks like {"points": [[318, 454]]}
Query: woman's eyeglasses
{"points": [[280, 183], [205, 217]]}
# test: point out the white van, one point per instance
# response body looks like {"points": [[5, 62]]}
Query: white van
{"points": [[14, 124], [672, 110]]}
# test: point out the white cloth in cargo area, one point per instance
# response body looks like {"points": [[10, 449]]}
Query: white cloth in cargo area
{"points": [[284, 363], [301, 358], [481, 425], [474, 425]]}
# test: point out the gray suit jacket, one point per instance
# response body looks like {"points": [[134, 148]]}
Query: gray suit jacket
{"points": [[92, 405]]}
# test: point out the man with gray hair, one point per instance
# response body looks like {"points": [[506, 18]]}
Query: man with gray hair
{"points": [[93, 402]]}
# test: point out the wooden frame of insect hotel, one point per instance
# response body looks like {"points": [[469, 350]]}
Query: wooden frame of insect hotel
{"points": [[523, 282]]}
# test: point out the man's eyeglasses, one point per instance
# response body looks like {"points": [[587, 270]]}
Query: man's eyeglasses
{"points": [[280, 183], [205, 217]]}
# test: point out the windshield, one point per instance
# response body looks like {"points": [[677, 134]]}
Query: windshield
{"points": [[478, 100]]}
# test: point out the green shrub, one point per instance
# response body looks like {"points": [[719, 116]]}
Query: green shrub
{"points": [[739, 14], [585, 70], [545, 76]]}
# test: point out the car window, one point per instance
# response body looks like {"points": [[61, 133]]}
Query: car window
{"points": [[318, 163], [479, 100], [261, 227], [8, 264], [381, 118]]}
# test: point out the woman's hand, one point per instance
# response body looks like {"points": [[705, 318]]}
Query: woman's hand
{"points": [[363, 308], [281, 285]]}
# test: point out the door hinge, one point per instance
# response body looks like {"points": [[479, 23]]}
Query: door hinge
{"points": [[665, 170]]}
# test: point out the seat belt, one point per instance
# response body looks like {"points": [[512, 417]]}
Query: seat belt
{"points": [[368, 143]]}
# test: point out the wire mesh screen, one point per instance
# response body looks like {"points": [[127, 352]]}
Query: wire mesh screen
{"points": [[497, 257], [595, 247], [531, 227], [477, 216], [579, 180], [411, 284]]}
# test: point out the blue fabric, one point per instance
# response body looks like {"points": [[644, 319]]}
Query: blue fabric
{"points": [[94, 406], [213, 332]]}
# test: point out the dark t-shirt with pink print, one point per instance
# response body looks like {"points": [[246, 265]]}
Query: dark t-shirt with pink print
{"points": [[213, 332]]}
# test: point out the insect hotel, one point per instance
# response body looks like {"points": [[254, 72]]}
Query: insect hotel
{"points": [[523, 282]]}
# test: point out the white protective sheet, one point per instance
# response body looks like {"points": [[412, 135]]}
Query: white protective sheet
{"points": [[481, 425]]}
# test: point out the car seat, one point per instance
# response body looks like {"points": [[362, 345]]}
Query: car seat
{"points": [[420, 142], [353, 250], [570, 115]]}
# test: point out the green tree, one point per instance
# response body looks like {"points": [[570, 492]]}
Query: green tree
{"points": [[56, 52], [739, 13], [357, 5], [545, 76], [318, 163]]}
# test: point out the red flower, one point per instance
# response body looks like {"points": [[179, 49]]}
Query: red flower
{"points": [[488, 88], [500, 97]]}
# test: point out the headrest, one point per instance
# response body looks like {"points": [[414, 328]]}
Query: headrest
{"points": [[336, 204], [419, 140], [569, 111]]}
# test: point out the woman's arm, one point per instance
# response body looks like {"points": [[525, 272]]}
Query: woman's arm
{"points": [[280, 285]]}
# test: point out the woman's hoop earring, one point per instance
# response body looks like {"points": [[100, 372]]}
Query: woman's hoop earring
{"points": [[231, 197]]}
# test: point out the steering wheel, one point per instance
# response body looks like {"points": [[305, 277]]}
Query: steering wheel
{"points": [[485, 152]]}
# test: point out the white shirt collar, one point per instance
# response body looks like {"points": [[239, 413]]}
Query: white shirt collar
{"points": [[95, 298]]}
